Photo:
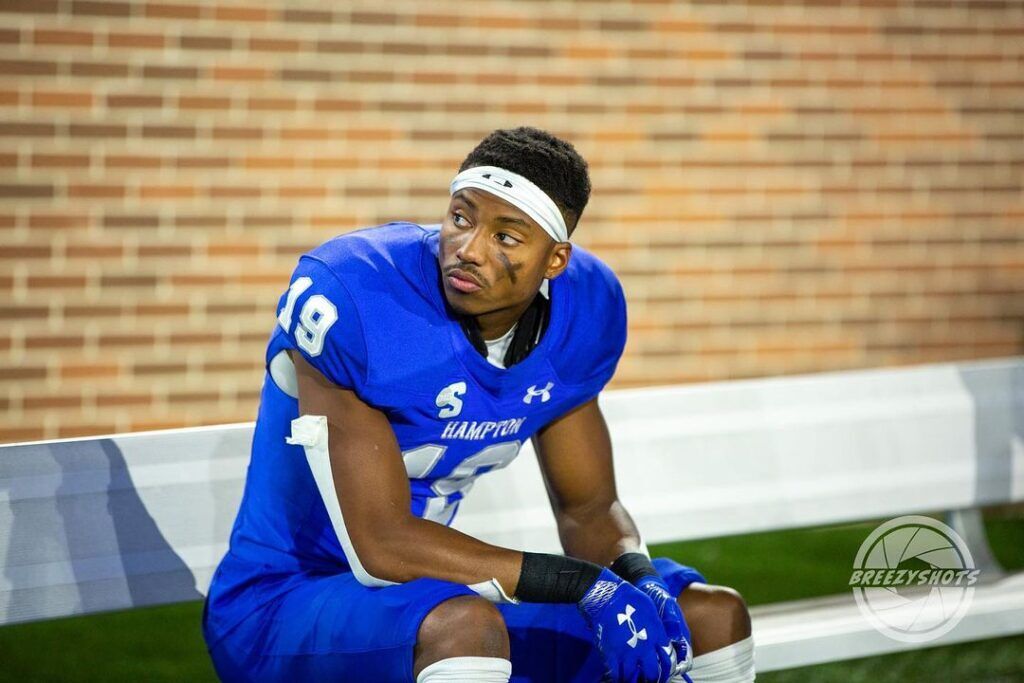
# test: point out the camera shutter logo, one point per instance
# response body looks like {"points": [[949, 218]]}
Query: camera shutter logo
{"points": [[913, 579]]}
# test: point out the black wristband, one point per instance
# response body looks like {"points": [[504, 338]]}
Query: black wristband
{"points": [[633, 566], [555, 578]]}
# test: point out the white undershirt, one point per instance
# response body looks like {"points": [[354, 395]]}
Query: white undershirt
{"points": [[496, 348]]}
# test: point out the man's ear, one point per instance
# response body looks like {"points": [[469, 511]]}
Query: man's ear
{"points": [[558, 261]]}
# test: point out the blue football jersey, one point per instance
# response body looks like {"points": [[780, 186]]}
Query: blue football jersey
{"points": [[367, 310]]}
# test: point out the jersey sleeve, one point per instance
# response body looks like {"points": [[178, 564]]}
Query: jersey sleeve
{"points": [[597, 333], [614, 342], [318, 316]]}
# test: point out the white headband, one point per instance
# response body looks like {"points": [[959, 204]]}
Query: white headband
{"points": [[519, 192]]}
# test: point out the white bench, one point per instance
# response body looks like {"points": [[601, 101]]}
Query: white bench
{"points": [[88, 525]]}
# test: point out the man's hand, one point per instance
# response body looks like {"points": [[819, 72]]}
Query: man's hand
{"points": [[628, 631], [671, 618]]}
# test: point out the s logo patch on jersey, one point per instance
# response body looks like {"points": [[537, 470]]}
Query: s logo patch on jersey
{"points": [[449, 401], [533, 392]]}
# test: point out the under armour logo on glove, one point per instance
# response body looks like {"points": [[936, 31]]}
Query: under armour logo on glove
{"points": [[611, 605], [672, 619], [533, 392], [627, 617]]}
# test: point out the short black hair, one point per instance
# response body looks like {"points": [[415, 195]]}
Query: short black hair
{"points": [[550, 163]]}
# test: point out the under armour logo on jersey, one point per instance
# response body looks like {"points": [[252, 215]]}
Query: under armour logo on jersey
{"points": [[533, 392], [627, 618], [449, 401]]}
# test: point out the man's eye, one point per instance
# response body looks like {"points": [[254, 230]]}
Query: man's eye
{"points": [[457, 217], [507, 239]]}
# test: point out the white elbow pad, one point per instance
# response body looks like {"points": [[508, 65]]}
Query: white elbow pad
{"points": [[310, 432]]}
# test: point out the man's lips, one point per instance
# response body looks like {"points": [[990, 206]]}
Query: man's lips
{"points": [[463, 281]]}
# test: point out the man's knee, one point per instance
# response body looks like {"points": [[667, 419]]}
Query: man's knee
{"points": [[466, 626], [730, 604], [717, 616]]}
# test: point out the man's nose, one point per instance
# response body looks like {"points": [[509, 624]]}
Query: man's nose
{"points": [[472, 248]]}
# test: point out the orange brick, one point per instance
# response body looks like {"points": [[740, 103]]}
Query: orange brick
{"points": [[46, 402], [302, 192], [167, 10], [40, 160], [89, 370], [239, 14], [440, 20], [132, 161], [239, 73], [501, 22], [95, 191], [274, 45], [22, 433], [136, 40], [277, 162], [46, 220], [167, 191], [214, 102], [273, 103], [63, 99], [61, 37], [68, 431]]}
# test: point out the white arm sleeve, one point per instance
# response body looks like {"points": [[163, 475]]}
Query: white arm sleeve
{"points": [[310, 432]]}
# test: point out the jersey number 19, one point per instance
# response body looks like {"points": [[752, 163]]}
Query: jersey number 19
{"points": [[315, 318]]}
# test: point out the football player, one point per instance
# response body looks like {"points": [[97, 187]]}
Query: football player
{"points": [[405, 362]]}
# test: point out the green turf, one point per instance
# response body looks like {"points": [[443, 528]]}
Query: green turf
{"points": [[153, 644], [164, 644], [779, 566], [804, 563], [988, 661]]}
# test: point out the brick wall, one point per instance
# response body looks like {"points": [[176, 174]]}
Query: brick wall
{"points": [[782, 187]]}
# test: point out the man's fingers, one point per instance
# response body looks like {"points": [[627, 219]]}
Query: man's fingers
{"points": [[629, 671], [650, 669], [682, 656], [666, 661]]}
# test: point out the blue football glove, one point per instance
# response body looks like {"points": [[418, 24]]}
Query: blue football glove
{"points": [[671, 618], [628, 631]]}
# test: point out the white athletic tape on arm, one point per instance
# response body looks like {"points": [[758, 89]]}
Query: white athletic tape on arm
{"points": [[310, 432], [518, 191], [643, 549], [492, 590]]}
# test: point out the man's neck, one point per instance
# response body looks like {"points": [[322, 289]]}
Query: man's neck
{"points": [[496, 323]]}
